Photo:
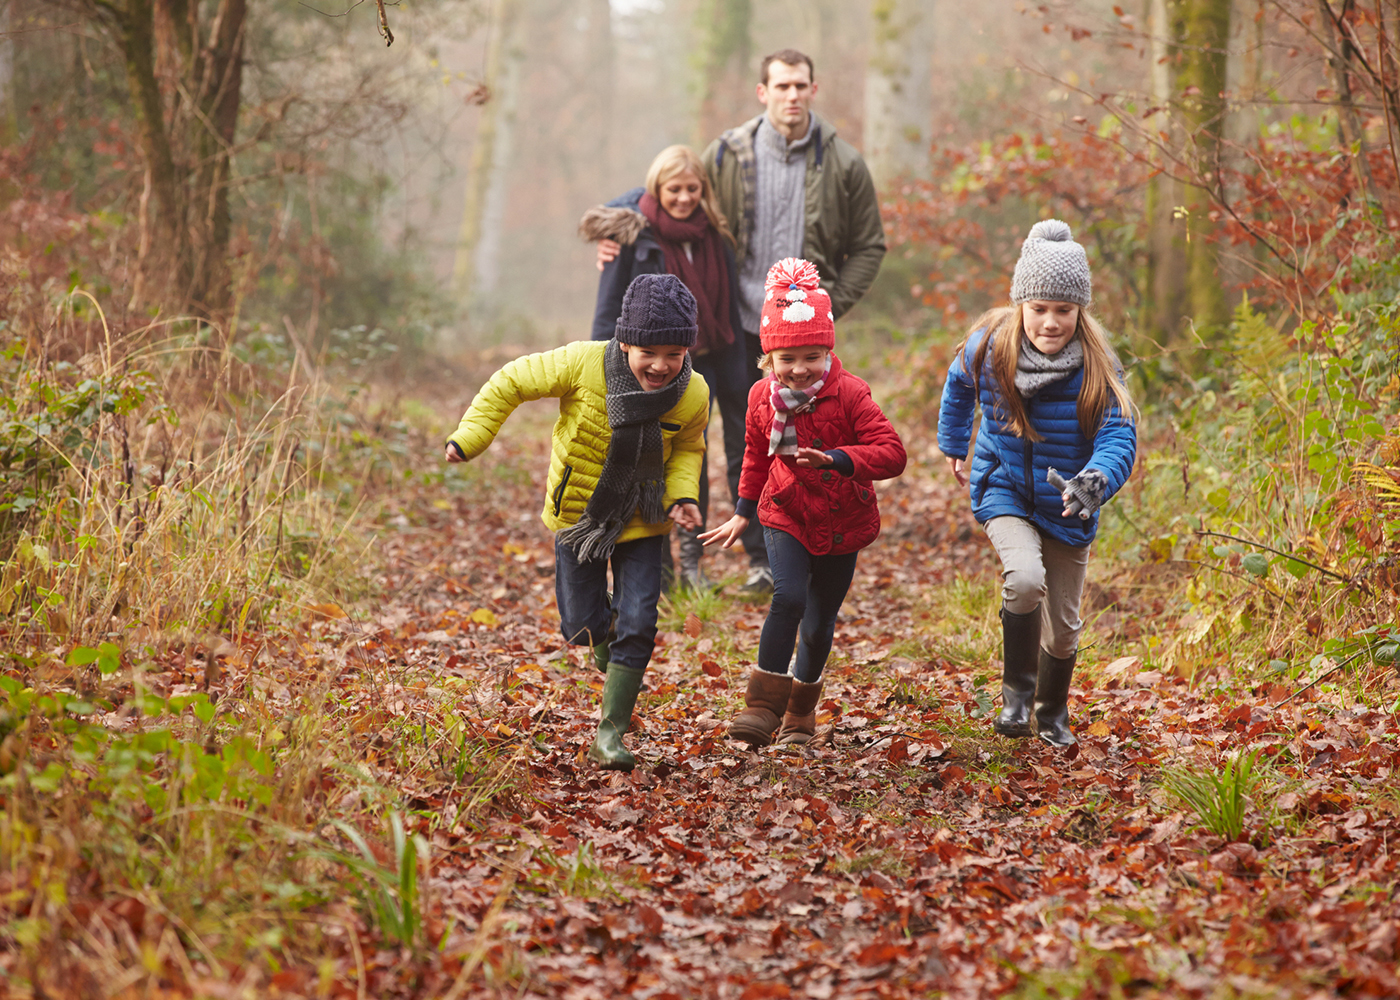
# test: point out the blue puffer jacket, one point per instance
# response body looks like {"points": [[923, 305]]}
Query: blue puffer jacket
{"points": [[1008, 473]]}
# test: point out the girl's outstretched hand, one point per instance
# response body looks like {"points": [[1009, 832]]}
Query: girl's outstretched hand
{"points": [[453, 454], [727, 533], [687, 515], [956, 467], [813, 458]]}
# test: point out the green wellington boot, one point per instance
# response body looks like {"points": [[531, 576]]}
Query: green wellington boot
{"points": [[601, 652], [620, 692]]}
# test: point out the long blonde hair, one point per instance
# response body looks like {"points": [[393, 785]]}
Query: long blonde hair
{"points": [[1005, 326], [675, 160]]}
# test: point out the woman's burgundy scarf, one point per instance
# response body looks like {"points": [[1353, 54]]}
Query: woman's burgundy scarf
{"points": [[706, 275]]}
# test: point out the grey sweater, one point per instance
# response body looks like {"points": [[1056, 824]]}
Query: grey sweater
{"points": [[779, 213]]}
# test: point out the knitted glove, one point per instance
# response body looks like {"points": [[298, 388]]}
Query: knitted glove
{"points": [[1083, 494]]}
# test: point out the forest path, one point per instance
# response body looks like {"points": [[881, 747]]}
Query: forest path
{"points": [[906, 851]]}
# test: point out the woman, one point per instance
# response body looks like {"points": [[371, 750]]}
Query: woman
{"points": [[673, 225]]}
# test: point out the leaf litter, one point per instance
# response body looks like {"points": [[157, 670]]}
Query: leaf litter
{"points": [[906, 851]]}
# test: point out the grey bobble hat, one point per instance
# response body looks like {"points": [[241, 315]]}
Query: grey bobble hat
{"points": [[1052, 267], [657, 309]]}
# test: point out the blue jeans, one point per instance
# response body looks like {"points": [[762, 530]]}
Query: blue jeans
{"points": [[807, 595], [581, 590]]}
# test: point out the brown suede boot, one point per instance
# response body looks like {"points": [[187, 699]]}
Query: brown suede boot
{"points": [[800, 722], [766, 701]]}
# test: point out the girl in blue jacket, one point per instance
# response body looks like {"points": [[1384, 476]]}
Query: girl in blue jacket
{"points": [[1058, 439]]}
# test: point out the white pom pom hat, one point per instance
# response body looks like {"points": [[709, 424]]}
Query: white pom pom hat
{"points": [[1052, 267], [796, 311]]}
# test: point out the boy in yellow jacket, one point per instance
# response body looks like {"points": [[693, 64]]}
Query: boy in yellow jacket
{"points": [[625, 464]]}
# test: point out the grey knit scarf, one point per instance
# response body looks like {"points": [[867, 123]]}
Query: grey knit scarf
{"points": [[1034, 371], [633, 479]]}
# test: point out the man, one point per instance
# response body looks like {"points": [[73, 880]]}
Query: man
{"points": [[789, 187]]}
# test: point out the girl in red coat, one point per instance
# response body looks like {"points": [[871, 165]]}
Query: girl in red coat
{"points": [[814, 441]]}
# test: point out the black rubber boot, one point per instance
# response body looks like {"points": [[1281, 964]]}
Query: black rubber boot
{"points": [[1020, 651], [620, 692], [1052, 699]]}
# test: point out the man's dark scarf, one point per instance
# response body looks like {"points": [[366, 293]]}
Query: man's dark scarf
{"points": [[633, 479]]}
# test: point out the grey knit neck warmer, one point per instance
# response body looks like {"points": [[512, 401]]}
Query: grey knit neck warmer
{"points": [[1034, 370]]}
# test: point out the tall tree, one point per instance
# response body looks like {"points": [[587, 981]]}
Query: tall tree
{"points": [[1342, 55], [7, 76], [723, 73], [185, 79], [601, 72], [1203, 32], [1190, 49], [1165, 303], [899, 90], [477, 272]]}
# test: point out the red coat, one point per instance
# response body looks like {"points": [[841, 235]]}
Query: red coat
{"points": [[827, 512]]}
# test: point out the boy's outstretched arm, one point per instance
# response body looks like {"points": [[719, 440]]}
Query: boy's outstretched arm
{"points": [[534, 376]]}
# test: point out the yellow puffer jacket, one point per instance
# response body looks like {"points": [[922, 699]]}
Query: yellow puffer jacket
{"points": [[574, 373]]}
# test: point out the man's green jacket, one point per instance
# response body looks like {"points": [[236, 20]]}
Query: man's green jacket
{"points": [[843, 233]]}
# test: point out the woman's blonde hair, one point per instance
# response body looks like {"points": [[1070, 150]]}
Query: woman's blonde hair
{"points": [[1103, 373], [675, 160]]}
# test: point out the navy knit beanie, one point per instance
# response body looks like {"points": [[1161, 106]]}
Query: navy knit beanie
{"points": [[657, 309]]}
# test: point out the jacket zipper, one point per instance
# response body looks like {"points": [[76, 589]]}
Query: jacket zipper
{"points": [[1029, 471], [559, 490]]}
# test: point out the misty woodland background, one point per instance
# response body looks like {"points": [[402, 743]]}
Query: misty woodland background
{"points": [[283, 705]]}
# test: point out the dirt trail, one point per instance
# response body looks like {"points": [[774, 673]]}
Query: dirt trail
{"points": [[906, 851]]}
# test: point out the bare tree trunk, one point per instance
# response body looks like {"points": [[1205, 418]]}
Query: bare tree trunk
{"points": [[1204, 41], [1165, 301], [477, 269], [899, 90], [186, 141], [1340, 55], [602, 79], [1244, 119], [723, 60], [220, 86], [9, 125], [136, 36]]}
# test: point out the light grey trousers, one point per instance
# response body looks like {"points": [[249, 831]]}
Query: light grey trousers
{"points": [[1038, 569]]}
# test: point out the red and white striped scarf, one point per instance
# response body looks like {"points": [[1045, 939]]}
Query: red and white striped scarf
{"points": [[782, 437]]}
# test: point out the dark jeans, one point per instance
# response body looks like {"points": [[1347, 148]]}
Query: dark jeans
{"points": [[807, 595], [733, 400], [581, 589]]}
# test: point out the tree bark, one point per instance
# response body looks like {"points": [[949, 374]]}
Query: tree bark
{"points": [[899, 90], [476, 272], [186, 140], [602, 80], [723, 71], [136, 37], [1204, 33], [1341, 53], [1165, 301], [9, 125]]}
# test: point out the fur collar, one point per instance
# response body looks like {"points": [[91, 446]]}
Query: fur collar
{"points": [[621, 224]]}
